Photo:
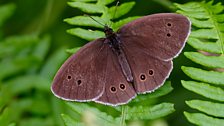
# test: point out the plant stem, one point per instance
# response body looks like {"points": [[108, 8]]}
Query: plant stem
{"points": [[123, 115]]}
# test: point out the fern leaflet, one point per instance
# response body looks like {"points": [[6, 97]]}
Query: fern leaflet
{"points": [[208, 38]]}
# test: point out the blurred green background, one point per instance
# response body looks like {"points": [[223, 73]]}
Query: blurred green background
{"points": [[33, 43]]}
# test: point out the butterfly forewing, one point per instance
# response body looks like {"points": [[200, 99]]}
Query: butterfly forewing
{"points": [[161, 35], [81, 77]]}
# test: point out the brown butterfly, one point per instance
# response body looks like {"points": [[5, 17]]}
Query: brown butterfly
{"points": [[134, 60]]}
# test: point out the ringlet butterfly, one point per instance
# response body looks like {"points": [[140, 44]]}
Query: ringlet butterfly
{"points": [[134, 60]]}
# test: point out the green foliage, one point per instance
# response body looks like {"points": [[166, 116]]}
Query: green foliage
{"points": [[6, 11], [25, 61], [137, 110], [207, 38], [107, 14], [32, 40], [23, 74]]}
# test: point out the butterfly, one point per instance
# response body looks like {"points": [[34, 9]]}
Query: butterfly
{"points": [[136, 59]]}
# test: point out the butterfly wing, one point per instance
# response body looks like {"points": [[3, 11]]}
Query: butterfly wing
{"points": [[150, 43], [117, 89], [149, 73], [160, 35], [81, 77]]}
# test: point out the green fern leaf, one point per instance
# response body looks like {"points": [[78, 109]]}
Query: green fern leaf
{"points": [[205, 90], [88, 7], [86, 34], [119, 23], [206, 37], [165, 89], [209, 61], [70, 122], [123, 9], [205, 46], [84, 21], [205, 106], [152, 112], [203, 120], [213, 77], [98, 117]]}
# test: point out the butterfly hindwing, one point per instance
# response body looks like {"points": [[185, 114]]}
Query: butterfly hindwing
{"points": [[149, 73], [117, 89]]}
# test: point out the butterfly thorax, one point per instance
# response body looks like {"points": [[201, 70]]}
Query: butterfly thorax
{"points": [[112, 38]]}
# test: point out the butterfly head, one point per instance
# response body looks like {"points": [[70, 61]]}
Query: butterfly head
{"points": [[108, 31]]}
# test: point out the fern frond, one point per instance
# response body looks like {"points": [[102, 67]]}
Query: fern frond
{"points": [[86, 34], [126, 113], [165, 89], [203, 119], [204, 45], [213, 77], [205, 106], [152, 112], [205, 89], [208, 38], [98, 7], [93, 115], [21, 58], [70, 122], [209, 61]]}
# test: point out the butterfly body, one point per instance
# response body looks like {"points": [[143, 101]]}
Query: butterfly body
{"points": [[115, 44], [136, 59]]}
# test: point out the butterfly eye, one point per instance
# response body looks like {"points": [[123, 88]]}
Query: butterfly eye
{"points": [[169, 24], [168, 34], [69, 77], [142, 77], [113, 89], [79, 82], [122, 86], [151, 72]]}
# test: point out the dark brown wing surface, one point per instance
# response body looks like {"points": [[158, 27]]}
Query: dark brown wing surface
{"points": [[81, 77], [161, 35], [150, 43], [117, 89], [149, 73]]}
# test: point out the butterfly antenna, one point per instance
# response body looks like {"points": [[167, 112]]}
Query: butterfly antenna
{"points": [[94, 19], [114, 12]]}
